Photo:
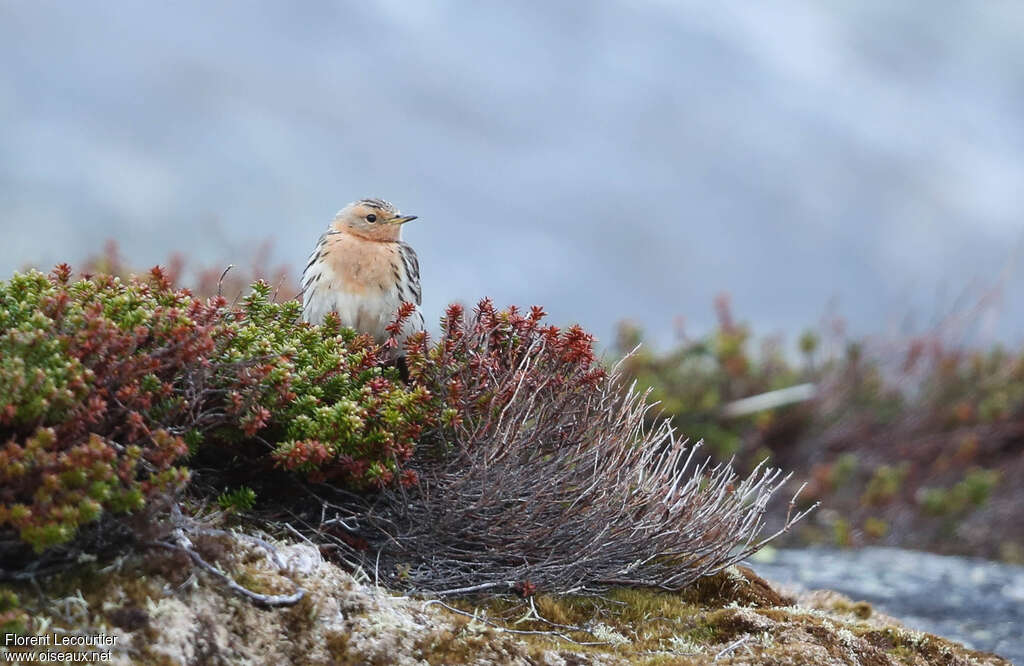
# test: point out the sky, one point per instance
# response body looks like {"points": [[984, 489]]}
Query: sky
{"points": [[607, 160]]}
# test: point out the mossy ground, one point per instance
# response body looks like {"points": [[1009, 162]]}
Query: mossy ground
{"points": [[163, 612]]}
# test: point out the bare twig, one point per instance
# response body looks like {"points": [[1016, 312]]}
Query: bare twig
{"points": [[732, 646], [183, 526], [521, 632], [268, 600]]}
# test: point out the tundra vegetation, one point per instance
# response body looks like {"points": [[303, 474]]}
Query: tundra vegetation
{"points": [[150, 432], [910, 440]]}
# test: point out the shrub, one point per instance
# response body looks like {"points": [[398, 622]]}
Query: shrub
{"points": [[105, 384], [335, 413], [875, 528], [694, 381], [542, 474], [87, 378], [886, 483], [969, 493]]}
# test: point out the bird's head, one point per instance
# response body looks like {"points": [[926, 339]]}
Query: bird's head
{"points": [[372, 219]]}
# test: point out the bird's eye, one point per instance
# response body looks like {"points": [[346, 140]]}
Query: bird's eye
{"points": [[371, 218]]}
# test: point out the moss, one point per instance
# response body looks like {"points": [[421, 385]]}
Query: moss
{"points": [[738, 585]]}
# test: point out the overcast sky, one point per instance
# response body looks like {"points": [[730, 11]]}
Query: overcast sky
{"points": [[607, 159]]}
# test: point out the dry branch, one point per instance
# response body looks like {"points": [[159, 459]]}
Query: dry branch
{"points": [[552, 481]]}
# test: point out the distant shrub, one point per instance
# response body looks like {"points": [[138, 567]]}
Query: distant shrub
{"points": [[893, 420], [106, 384], [886, 483], [969, 493], [875, 528], [694, 380]]}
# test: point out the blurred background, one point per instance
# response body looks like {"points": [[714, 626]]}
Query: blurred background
{"points": [[768, 195], [608, 160]]}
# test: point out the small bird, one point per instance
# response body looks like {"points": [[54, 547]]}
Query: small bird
{"points": [[362, 270]]}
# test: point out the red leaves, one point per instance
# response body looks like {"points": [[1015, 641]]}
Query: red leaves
{"points": [[394, 329], [61, 274], [165, 450], [121, 351], [476, 368], [255, 420], [160, 280], [136, 426], [303, 455]]}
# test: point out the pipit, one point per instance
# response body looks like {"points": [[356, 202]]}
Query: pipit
{"points": [[362, 270]]}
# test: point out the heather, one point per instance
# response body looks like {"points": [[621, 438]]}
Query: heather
{"points": [[501, 455], [109, 387]]}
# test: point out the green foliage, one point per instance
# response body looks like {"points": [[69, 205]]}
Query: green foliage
{"points": [[340, 415], [86, 395], [885, 483], [969, 493], [12, 618], [106, 385], [844, 470], [842, 533], [237, 500], [875, 528]]}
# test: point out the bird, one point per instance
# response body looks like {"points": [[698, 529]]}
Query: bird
{"points": [[363, 271]]}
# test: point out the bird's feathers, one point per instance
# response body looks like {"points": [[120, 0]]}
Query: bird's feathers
{"points": [[363, 281]]}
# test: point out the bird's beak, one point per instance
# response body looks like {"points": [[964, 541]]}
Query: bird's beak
{"points": [[401, 219]]}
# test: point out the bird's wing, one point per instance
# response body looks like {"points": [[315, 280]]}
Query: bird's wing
{"points": [[312, 270], [412, 271]]}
